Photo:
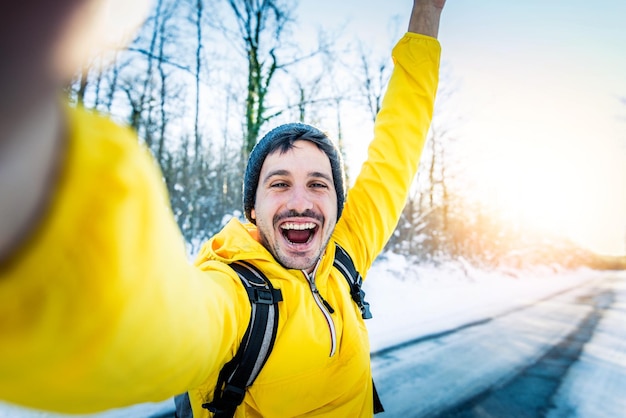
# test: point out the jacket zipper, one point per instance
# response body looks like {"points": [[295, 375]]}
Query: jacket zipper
{"points": [[326, 310]]}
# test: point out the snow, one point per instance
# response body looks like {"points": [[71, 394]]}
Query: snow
{"points": [[411, 301]]}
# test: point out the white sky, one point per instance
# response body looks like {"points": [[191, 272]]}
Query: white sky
{"points": [[543, 135]]}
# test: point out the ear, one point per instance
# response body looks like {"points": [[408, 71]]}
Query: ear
{"points": [[253, 213]]}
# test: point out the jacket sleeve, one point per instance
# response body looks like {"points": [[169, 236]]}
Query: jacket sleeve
{"points": [[102, 308], [375, 202]]}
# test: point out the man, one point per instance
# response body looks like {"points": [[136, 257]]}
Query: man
{"points": [[98, 305]]}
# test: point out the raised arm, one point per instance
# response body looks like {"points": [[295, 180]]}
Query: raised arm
{"points": [[376, 200], [425, 17]]}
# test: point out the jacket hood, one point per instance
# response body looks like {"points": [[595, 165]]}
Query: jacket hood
{"points": [[236, 241]]}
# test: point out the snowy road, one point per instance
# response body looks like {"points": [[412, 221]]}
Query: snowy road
{"points": [[521, 363], [477, 350]]}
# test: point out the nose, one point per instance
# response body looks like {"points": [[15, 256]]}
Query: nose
{"points": [[299, 200]]}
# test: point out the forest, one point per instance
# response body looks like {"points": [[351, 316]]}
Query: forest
{"points": [[203, 80]]}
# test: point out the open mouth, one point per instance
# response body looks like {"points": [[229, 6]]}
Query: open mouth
{"points": [[298, 233]]}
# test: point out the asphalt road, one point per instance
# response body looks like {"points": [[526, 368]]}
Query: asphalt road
{"points": [[506, 366]]}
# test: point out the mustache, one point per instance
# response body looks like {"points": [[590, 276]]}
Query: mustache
{"points": [[295, 214]]}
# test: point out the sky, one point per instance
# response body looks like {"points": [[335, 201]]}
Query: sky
{"points": [[541, 87]]}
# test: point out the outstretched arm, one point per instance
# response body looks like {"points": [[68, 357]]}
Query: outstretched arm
{"points": [[425, 17], [101, 308], [42, 44]]}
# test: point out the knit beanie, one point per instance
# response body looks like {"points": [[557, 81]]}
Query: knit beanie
{"points": [[281, 139]]}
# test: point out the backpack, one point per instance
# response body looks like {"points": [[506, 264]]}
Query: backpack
{"points": [[256, 346]]}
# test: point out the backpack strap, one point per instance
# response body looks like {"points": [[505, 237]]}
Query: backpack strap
{"points": [[257, 343], [343, 262], [239, 373]]}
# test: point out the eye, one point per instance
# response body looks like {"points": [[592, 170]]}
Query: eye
{"points": [[279, 185], [319, 185]]}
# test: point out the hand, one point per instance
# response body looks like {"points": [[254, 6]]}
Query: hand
{"points": [[42, 44]]}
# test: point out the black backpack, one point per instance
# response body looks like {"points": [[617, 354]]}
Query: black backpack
{"points": [[239, 373]]}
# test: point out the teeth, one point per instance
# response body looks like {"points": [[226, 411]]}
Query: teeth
{"points": [[301, 227]]}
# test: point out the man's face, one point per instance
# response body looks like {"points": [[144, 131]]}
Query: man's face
{"points": [[296, 205]]}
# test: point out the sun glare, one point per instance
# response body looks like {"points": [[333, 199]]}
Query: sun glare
{"points": [[550, 188]]}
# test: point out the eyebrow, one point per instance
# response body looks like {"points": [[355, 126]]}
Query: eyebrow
{"points": [[315, 174]]}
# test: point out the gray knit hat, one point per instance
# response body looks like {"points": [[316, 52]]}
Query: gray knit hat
{"points": [[282, 138]]}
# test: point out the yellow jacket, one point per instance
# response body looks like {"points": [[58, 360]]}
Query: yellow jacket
{"points": [[101, 308]]}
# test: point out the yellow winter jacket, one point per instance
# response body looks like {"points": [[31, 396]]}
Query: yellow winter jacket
{"points": [[101, 309]]}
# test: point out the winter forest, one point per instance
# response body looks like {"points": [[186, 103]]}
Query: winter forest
{"points": [[203, 80]]}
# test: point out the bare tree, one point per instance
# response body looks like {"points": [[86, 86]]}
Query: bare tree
{"points": [[260, 26], [83, 80], [375, 73], [196, 130], [162, 97], [157, 19]]}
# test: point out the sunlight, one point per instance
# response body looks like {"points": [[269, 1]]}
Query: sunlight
{"points": [[537, 188], [554, 188], [548, 152]]}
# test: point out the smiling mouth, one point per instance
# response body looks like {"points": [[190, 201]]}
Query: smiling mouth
{"points": [[298, 233]]}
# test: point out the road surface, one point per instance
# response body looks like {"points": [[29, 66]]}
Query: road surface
{"points": [[509, 366]]}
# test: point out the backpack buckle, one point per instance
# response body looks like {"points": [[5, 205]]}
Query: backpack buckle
{"points": [[364, 306], [229, 399], [264, 296]]}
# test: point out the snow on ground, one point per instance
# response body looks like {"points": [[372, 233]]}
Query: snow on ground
{"points": [[411, 301]]}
